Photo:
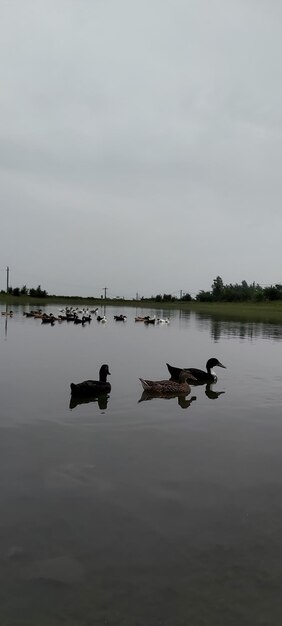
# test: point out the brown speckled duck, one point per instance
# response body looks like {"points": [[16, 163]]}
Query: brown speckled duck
{"points": [[181, 388]]}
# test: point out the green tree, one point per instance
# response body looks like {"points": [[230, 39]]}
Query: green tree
{"points": [[38, 292], [186, 297], [217, 288], [204, 296]]}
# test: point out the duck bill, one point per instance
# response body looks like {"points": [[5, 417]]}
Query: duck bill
{"points": [[220, 365]]}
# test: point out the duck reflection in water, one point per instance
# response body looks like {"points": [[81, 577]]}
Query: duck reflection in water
{"points": [[181, 400], [213, 395], [101, 399]]}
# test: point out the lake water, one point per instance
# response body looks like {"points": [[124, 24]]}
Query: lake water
{"points": [[153, 513]]}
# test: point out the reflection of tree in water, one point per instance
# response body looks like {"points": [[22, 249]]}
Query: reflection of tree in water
{"points": [[182, 401], [224, 327], [101, 399], [242, 330], [184, 315]]}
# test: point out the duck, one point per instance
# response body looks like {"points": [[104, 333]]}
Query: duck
{"points": [[200, 375], [150, 320], [78, 320], [87, 318], [93, 387], [120, 318], [101, 319], [139, 318], [48, 319], [180, 387]]}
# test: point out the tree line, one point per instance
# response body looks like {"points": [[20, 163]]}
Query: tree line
{"points": [[240, 292], [25, 291], [219, 292]]}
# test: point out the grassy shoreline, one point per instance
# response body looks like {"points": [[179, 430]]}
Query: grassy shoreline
{"points": [[260, 311]]}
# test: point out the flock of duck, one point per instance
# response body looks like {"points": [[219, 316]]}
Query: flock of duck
{"points": [[82, 316], [177, 385], [69, 314]]}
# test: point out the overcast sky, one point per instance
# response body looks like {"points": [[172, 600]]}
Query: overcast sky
{"points": [[141, 144]]}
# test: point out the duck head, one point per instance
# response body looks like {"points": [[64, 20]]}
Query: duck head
{"points": [[213, 363], [104, 372]]}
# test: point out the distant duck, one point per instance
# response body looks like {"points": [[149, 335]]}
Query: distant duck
{"points": [[93, 387], [7, 313], [48, 319], [120, 318], [101, 319], [78, 320], [163, 387], [164, 320], [200, 375], [141, 318], [150, 320], [87, 318]]}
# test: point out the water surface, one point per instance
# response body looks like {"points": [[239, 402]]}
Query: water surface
{"points": [[140, 513]]}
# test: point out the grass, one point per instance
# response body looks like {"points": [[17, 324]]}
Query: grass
{"points": [[252, 311]]}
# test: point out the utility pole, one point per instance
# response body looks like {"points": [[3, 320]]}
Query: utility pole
{"points": [[7, 270], [105, 291], [180, 294]]}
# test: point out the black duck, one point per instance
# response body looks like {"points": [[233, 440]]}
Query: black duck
{"points": [[200, 375], [93, 387]]}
